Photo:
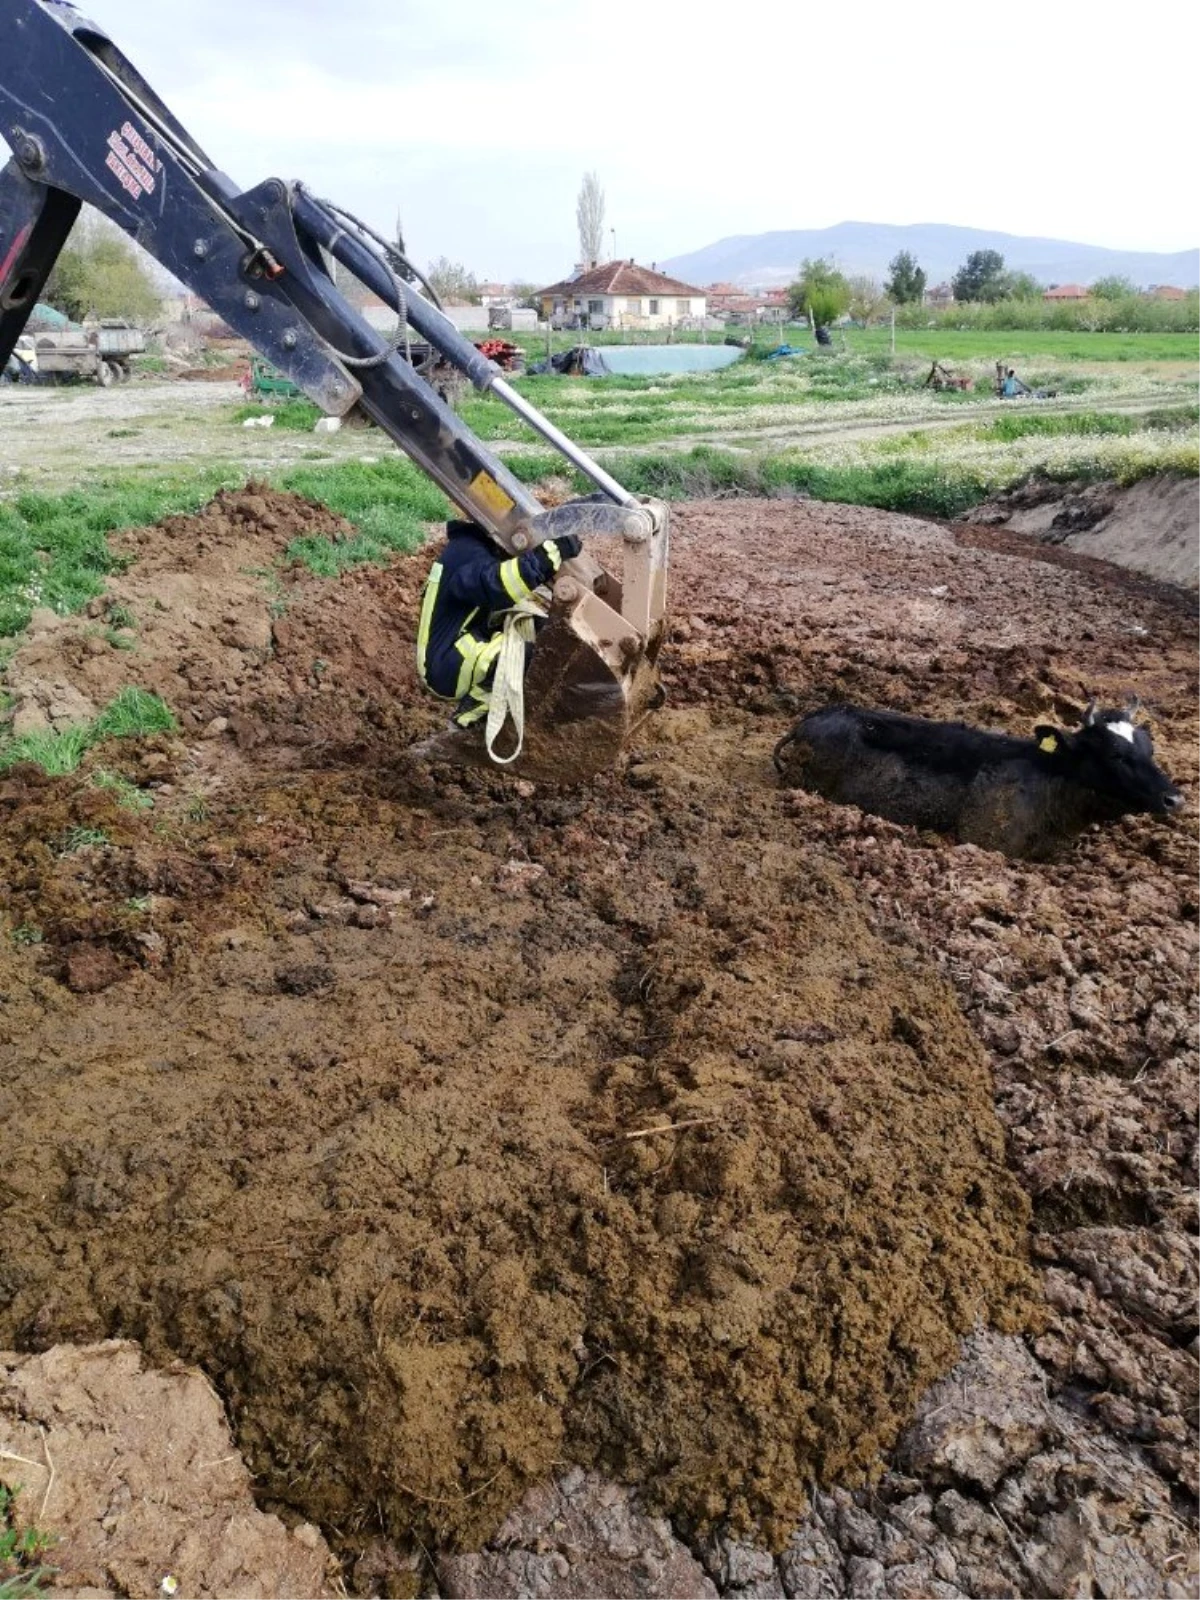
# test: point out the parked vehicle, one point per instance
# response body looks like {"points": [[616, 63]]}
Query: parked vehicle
{"points": [[99, 353]]}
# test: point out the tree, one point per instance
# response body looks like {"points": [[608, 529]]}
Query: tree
{"points": [[867, 299], [981, 277], [1021, 286], [101, 273], [589, 214], [820, 292], [1113, 288], [906, 286], [526, 294], [451, 281]]}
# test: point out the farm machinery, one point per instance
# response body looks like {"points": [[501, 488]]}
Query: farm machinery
{"points": [[85, 127]]}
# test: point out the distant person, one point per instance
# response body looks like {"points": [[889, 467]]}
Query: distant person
{"points": [[1012, 386]]}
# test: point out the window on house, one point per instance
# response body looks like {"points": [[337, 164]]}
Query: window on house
{"points": [[634, 306], [682, 307], [654, 308], [596, 308]]}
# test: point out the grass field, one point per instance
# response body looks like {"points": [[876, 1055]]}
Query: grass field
{"points": [[1033, 344]]}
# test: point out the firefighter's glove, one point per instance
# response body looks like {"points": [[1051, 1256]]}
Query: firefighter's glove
{"points": [[564, 548]]}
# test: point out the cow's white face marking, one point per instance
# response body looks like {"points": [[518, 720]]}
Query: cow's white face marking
{"points": [[1121, 730]]}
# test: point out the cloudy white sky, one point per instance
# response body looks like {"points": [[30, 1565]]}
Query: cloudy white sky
{"points": [[475, 120]]}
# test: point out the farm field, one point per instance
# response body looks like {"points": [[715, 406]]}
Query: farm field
{"points": [[677, 1185]]}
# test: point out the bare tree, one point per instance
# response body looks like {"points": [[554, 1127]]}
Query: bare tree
{"points": [[589, 213], [451, 282], [867, 299]]}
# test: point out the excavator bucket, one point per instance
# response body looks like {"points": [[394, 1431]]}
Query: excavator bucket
{"points": [[592, 679]]}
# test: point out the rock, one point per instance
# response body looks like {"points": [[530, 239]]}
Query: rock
{"points": [[215, 728], [577, 1537], [328, 425]]}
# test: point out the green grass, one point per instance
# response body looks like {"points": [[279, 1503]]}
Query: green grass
{"points": [[1009, 344], [387, 501], [298, 416], [126, 794], [80, 839], [706, 471], [134, 713], [22, 1570]]}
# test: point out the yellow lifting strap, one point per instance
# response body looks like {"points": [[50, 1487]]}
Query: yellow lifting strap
{"points": [[508, 686]]}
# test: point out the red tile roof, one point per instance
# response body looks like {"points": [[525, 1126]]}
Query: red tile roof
{"points": [[1067, 291], [621, 277]]}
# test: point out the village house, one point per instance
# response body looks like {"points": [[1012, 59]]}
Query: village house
{"points": [[620, 294], [1166, 291], [940, 295], [1067, 291]]}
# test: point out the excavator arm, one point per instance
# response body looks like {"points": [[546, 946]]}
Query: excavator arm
{"points": [[84, 126]]}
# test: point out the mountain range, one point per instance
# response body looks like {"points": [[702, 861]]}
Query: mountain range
{"points": [[766, 260]]}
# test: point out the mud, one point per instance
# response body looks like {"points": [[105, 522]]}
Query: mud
{"points": [[459, 1131]]}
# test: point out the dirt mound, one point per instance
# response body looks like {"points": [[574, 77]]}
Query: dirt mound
{"points": [[134, 1475], [208, 616], [1152, 527], [480, 1131], [375, 1171]]}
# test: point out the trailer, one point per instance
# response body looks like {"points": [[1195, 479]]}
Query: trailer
{"points": [[98, 353]]}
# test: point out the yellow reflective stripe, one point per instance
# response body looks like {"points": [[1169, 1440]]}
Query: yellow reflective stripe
{"points": [[464, 719], [514, 583], [477, 658], [428, 602], [487, 654], [468, 647], [554, 553]]}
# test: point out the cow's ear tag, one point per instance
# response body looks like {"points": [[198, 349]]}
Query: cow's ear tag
{"points": [[1049, 744]]}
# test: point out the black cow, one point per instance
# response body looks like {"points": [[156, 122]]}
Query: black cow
{"points": [[1022, 796]]}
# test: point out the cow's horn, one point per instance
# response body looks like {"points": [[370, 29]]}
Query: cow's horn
{"points": [[1132, 706], [1089, 716]]}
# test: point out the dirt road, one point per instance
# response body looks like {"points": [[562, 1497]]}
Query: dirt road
{"points": [[680, 1127]]}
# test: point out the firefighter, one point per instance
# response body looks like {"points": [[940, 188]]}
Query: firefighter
{"points": [[470, 587]]}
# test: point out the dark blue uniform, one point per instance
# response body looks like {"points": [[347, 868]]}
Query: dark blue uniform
{"points": [[469, 587]]}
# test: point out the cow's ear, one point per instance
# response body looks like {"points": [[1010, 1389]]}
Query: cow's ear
{"points": [[1049, 740]]}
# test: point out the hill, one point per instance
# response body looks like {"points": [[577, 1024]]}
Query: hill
{"points": [[768, 259]]}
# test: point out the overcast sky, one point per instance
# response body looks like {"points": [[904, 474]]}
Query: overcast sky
{"points": [[475, 120]]}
